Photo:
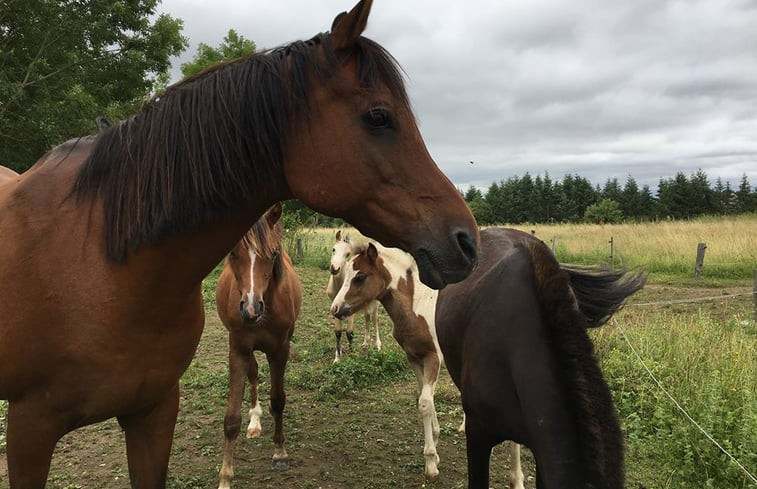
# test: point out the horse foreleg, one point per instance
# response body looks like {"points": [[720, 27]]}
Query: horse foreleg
{"points": [[149, 435], [516, 473], [254, 428], [31, 438], [350, 330], [277, 363], [232, 421], [373, 318], [338, 336], [427, 373], [478, 451]]}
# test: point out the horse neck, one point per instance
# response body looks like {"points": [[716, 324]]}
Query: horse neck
{"points": [[406, 297], [191, 256]]}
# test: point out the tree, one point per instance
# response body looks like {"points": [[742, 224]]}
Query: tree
{"points": [[66, 62], [604, 211], [746, 201], [233, 46]]}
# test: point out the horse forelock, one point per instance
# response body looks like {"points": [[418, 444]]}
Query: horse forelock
{"points": [[198, 149], [263, 239]]}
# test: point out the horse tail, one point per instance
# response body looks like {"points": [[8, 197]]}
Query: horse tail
{"points": [[598, 430], [601, 292]]}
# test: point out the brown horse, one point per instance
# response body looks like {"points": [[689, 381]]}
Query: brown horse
{"points": [[258, 297], [7, 175], [514, 340], [340, 254], [114, 233]]}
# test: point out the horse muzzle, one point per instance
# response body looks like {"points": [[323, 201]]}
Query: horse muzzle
{"points": [[437, 269], [340, 312], [251, 312]]}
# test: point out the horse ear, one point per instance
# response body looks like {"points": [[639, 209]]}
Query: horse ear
{"points": [[371, 252], [274, 214], [347, 27], [346, 238], [339, 235]]}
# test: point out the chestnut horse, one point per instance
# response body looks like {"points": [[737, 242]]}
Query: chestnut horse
{"points": [[340, 253], [258, 297], [6, 174], [115, 233], [514, 340]]}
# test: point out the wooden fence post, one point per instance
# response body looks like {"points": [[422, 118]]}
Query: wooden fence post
{"points": [[299, 250], [612, 253], [554, 243], [700, 260]]}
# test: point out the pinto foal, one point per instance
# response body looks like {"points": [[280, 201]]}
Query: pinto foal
{"points": [[390, 276], [340, 253], [258, 297], [392, 279]]}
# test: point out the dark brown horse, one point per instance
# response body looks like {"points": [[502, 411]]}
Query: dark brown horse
{"points": [[105, 240], [514, 340], [258, 297]]}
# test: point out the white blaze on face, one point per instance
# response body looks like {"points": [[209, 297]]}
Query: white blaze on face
{"points": [[349, 273], [251, 293], [339, 254]]}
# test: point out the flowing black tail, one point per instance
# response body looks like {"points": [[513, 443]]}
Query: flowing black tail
{"points": [[601, 292]]}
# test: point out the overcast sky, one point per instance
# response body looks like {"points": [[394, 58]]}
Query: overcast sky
{"points": [[646, 88]]}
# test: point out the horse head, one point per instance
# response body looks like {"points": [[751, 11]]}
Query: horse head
{"points": [[255, 262], [367, 162], [366, 279]]}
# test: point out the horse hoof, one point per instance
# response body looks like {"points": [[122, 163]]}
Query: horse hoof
{"points": [[281, 464], [253, 432]]}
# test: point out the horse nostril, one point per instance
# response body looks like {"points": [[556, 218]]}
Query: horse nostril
{"points": [[468, 246], [259, 308]]}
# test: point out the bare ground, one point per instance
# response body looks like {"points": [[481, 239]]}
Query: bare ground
{"points": [[369, 438]]}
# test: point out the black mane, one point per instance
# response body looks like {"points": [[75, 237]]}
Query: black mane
{"points": [[212, 140]]}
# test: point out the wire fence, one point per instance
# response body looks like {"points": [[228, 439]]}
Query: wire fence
{"points": [[659, 384]]}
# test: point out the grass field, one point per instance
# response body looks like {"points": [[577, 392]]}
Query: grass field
{"points": [[355, 425]]}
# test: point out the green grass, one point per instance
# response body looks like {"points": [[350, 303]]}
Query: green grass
{"points": [[706, 359], [703, 353]]}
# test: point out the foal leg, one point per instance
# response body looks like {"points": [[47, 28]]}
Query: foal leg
{"points": [[350, 329], [338, 336], [254, 428], [31, 438], [373, 314], [232, 421], [516, 473], [277, 363], [427, 373], [148, 441]]}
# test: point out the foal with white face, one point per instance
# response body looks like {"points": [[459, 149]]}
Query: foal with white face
{"points": [[340, 253], [391, 277]]}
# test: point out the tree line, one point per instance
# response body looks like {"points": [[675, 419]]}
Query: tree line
{"points": [[539, 199], [63, 64]]}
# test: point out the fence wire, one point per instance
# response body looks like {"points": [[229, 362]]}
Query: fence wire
{"points": [[665, 391]]}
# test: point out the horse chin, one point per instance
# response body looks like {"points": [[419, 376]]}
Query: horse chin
{"points": [[432, 275], [437, 270]]}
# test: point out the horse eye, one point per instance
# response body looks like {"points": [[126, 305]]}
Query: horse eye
{"points": [[378, 118], [359, 279]]}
